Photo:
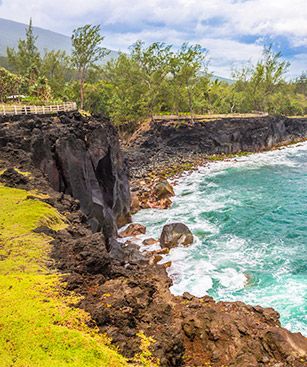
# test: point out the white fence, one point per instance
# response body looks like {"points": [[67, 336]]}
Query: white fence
{"points": [[7, 109]]}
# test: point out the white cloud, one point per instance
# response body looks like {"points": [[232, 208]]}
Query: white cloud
{"points": [[298, 64], [248, 17]]}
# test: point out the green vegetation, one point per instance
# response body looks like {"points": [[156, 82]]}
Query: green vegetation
{"points": [[10, 84], [150, 80], [144, 357], [26, 59], [39, 325], [86, 52]]}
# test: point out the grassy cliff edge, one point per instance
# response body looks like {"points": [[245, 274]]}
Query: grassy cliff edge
{"points": [[38, 323]]}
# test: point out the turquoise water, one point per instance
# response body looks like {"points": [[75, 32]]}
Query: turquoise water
{"points": [[249, 218]]}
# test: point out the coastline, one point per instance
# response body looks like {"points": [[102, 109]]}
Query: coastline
{"points": [[126, 294], [186, 185], [172, 170]]}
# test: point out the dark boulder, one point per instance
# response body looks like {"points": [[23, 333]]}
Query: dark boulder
{"points": [[176, 234], [163, 189]]}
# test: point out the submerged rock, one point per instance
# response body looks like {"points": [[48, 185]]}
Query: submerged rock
{"points": [[176, 234]]}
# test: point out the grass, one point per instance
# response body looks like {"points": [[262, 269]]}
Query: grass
{"points": [[223, 156], [39, 327]]}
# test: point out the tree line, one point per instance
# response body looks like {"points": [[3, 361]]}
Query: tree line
{"points": [[148, 80]]}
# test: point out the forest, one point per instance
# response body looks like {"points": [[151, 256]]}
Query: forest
{"points": [[148, 80]]}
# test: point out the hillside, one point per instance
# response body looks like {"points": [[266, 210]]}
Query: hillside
{"points": [[12, 31]]}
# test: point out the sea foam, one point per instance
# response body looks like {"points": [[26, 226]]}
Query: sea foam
{"points": [[248, 216]]}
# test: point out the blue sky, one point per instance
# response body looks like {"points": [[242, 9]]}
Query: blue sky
{"points": [[233, 31]]}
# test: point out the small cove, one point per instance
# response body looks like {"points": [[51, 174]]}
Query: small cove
{"points": [[249, 219]]}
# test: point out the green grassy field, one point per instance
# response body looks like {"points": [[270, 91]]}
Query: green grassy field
{"points": [[39, 327]]}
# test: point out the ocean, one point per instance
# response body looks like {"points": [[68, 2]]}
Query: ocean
{"points": [[249, 220]]}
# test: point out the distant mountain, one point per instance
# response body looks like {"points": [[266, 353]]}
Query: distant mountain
{"points": [[222, 79], [11, 32]]}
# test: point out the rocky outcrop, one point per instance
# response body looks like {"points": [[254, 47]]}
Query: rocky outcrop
{"points": [[175, 234], [182, 141], [163, 190], [78, 156], [10, 177], [135, 203], [187, 331], [155, 193], [149, 242]]}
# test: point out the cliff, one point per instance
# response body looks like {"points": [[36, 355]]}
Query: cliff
{"points": [[164, 141], [77, 156], [78, 162]]}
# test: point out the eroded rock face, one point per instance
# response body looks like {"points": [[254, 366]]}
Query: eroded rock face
{"points": [[78, 156], [180, 142], [176, 234], [188, 331]]}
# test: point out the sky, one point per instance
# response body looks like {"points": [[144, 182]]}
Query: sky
{"points": [[232, 31]]}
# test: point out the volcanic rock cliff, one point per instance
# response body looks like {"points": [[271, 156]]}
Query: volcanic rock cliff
{"points": [[166, 140], [72, 156], [78, 156]]}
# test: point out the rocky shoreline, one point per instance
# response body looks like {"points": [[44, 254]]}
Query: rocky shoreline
{"points": [[124, 291], [164, 149]]}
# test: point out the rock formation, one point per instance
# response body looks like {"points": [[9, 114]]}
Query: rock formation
{"points": [[134, 229], [178, 142], [175, 234], [80, 157]]}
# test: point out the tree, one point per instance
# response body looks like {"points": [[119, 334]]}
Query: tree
{"points": [[56, 68], [86, 52], [127, 90], [10, 84], [41, 89], [301, 84], [261, 81], [154, 65], [26, 59], [186, 66]]}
